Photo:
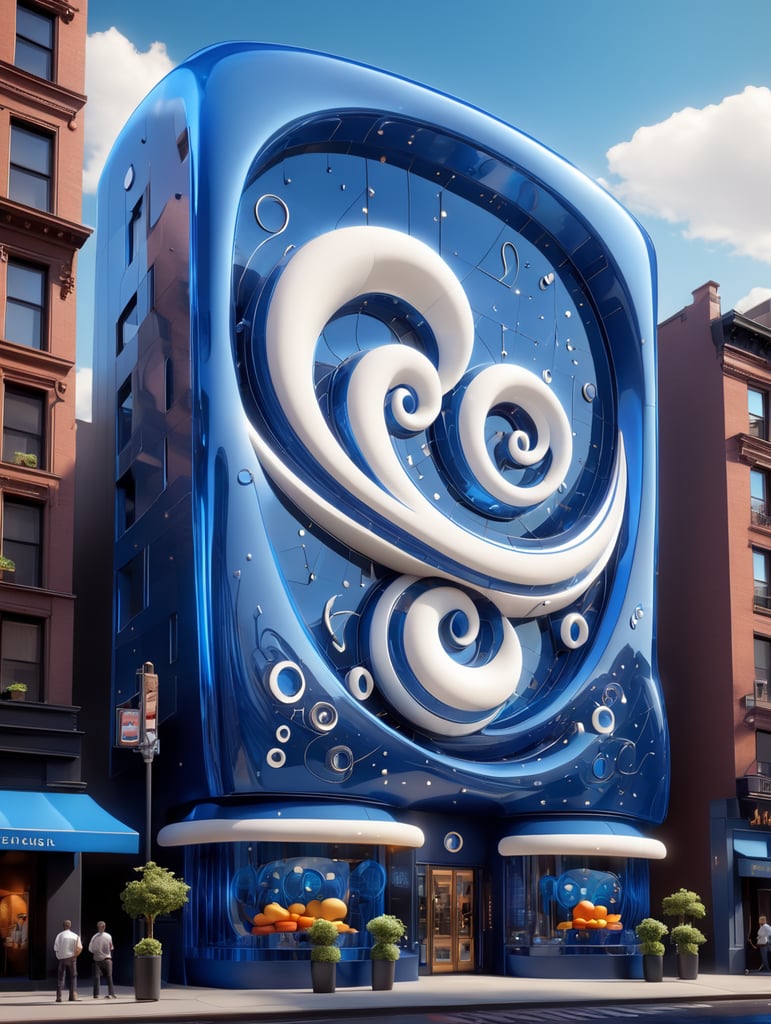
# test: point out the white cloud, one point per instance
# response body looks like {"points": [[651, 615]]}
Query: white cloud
{"points": [[754, 297], [83, 379], [118, 76], [707, 169]]}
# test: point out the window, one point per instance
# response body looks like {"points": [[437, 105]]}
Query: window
{"points": [[23, 419], [762, 659], [31, 162], [127, 325], [34, 42], [125, 416], [126, 497], [758, 413], [763, 751], [760, 572], [21, 645], [758, 492], [168, 384], [132, 239], [132, 591], [22, 532], [25, 310]]}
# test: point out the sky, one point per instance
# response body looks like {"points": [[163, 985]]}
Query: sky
{"points": [[667, 103]]}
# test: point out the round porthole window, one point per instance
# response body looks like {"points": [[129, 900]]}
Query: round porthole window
{"points": [[453, 842]]}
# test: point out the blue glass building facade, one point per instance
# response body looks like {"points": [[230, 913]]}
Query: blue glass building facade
{"points": [[375, 382]]}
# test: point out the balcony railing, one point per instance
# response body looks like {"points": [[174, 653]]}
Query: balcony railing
{"points": [[762, 598], [760, 516]]}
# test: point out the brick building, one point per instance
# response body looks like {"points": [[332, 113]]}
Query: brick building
{"points": [[46, 819]]}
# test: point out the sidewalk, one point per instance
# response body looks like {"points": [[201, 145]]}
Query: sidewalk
{"points": [[436, 992]]}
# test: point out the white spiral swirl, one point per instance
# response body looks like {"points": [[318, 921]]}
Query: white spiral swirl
{"points": [[319, 279]]}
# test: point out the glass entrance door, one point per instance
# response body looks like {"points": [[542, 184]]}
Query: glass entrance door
{"points": [[450, 923]]}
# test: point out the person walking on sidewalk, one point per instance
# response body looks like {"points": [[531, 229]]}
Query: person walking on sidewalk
{"points": [[101, 948], [764, 934], [67, 947]]}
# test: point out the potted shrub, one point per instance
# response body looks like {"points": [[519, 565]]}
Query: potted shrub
{"points": [[385, 930], [16, 691], [686, 906], [325, 953], [650, 932], [156, 891], [6, 565], [26, 459]]}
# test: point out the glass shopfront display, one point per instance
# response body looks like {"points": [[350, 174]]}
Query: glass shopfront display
{"points": [[558, 906]]}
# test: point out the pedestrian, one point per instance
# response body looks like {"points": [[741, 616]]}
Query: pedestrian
{"points": [[764, 933], [101, 948], [67, 947]]}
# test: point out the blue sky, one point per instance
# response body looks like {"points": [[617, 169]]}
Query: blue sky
{"points": [[667, 102]]}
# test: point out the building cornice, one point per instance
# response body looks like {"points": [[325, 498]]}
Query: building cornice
{"points": [[40, 93], [26, 219]]}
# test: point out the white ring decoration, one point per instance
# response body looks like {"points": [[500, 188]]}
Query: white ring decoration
{"points": [[566, 631], [603, 720], [274, 681], [276, 757], [360, 682]]}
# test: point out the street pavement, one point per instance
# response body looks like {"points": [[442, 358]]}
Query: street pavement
{"points": [[451, 993]]}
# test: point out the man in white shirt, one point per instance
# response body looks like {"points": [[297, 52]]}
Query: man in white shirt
{"points": [[764, 933], [66, 946], [101, 948]]}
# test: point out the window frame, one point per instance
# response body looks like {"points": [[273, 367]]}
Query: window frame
{"points": [[29, 173], [18, 548], [761, 560], [19, 301], [33, 443], [34, 45], [757, 422], [35, 679]]}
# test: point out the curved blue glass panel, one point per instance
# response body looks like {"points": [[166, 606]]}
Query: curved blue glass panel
{"points": [[423, 444]]}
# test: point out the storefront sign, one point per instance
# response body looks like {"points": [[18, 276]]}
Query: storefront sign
{"points": [[754, 868], [29, 841]]}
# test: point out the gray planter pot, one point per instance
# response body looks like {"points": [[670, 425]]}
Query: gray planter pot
{"points": [[688, 966], [147, 978], [653, 967], [383, 972], [323, 976]]}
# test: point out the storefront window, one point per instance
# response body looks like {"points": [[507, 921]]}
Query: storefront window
{"points": [[263, 896], [565, 903], [14, 933]]}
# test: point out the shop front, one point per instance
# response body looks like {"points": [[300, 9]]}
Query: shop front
{"points": [[42, 838], [574, 891]]}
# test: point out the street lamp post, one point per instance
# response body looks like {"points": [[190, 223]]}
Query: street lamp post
{"points": [[149, 745]]}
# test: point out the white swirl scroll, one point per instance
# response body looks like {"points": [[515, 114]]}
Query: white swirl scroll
{"points": [[479, 690], [318, 280]]}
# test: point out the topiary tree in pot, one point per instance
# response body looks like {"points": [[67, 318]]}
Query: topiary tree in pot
{"points": [[386, 930], [650, 932], [325, 954], [157, 891], [686, 906]]}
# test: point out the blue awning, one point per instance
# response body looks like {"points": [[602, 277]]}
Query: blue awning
{"points": [[61, 822]]}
